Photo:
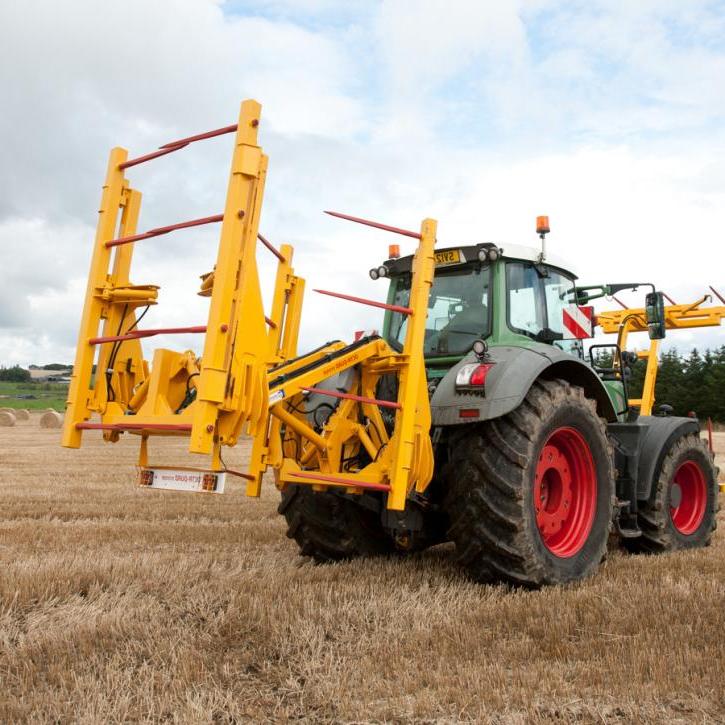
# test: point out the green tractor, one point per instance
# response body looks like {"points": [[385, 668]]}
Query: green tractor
{"points": [[475, 418], [538, 458]]}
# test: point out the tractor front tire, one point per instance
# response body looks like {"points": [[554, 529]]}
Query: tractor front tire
{"points": [[682, 509], [530, 495], [331, 527]]}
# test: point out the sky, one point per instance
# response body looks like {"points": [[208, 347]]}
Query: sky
{"points": [[607, 115]]}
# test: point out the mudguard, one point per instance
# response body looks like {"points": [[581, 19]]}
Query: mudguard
{"points": [[514, 371], [659, 436]]}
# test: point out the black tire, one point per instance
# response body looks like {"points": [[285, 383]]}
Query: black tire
{"points": [[331, 527], [656, 517], [491, 476]]}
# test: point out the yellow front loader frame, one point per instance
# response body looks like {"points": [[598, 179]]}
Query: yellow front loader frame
{"points": [[249, 379]]}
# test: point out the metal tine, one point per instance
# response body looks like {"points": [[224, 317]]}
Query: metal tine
{"points": [[165, 230], [352, 396], [363, 301], [337, 480], [201, 136], [377, 225], [717, 294], [271, 248]]}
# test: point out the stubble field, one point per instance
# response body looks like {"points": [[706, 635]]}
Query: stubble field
{"points": [[124, 604]]}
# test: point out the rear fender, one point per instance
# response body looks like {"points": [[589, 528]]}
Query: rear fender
{"points": [[656, 438], [509, 380]]}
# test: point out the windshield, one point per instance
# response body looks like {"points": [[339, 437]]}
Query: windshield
{"points": [[458, 307]]}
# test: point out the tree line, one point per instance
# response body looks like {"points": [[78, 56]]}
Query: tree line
{"points": [[692, 383]]}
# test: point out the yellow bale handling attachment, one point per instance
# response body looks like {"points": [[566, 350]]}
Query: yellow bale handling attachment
{"points": [[249, 378], [677, 317]]}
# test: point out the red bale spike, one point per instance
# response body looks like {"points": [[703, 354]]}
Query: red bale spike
{"points": [[717, 294], [172, 146], [200, 136], [341, 481], [165, 230], [138, 334], [271, 248], [363, 301], [377, 225], [134, 426], [153, 155], [668, 298], [618, 301], [352, 396]]}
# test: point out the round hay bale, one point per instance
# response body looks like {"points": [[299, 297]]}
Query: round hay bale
{"points": [[51, 419], [50, 410], [6, 419], [22, 414], [7, 410]]}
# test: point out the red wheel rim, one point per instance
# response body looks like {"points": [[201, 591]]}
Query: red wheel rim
{"points": [[688, 497], [565, 492]]}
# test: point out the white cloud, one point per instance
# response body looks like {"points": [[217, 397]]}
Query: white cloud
{"points": [[480, 114]]}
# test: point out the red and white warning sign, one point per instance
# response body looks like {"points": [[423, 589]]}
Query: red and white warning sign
{"points": [[578, 322]]}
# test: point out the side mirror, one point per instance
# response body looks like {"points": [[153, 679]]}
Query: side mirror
{"points": [[655, 314]]}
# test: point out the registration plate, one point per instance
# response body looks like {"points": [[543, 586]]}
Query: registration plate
{"points": [[179, 479], [451, 256]]}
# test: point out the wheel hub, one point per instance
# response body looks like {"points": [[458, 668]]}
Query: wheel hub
{"points": [[688, 498], [565, 492], [554, 496]]}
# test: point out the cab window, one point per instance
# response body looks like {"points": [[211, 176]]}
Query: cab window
{"points": [[536, 302]]}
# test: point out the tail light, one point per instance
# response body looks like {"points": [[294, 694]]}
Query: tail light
{"points": [[473, 375]]}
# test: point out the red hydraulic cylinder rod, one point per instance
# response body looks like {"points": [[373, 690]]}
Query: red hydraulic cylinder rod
{"points": [[363, 301], [341, 481], [165, 230], [200, 137], [271, 248], [351, 396], [377, 225], [137, 334]]}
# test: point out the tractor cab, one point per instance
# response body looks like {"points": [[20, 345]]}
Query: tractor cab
{"points": [[505, 296]]}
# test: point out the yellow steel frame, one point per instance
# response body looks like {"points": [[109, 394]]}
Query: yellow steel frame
{"points": [[248, 379], [677, 317]]}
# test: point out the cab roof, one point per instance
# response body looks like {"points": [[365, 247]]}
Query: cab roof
{"points": [[469, 253]]}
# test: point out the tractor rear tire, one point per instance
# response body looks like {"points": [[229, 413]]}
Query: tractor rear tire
{"points": [[530, 495], [331, 527], [682, 509]]}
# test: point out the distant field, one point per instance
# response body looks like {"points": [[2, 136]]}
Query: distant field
{"points": [[120, 604], [47, 395]]}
